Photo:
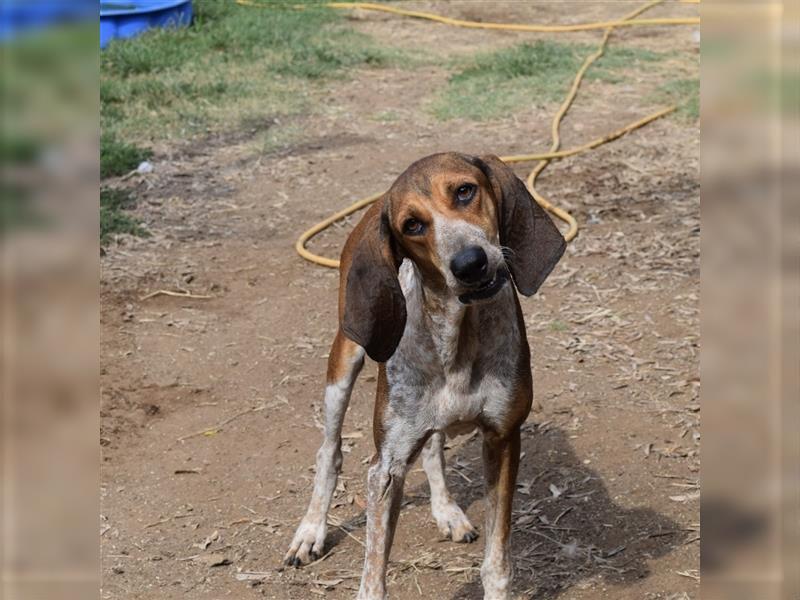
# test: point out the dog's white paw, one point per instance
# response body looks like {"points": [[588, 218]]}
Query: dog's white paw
{"points": [[308, 542], [453, 523]]}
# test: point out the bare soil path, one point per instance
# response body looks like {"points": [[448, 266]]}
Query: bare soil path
{"points": [[608, 502]]}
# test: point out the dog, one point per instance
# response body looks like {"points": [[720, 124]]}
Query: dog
{"points": [[426, 291]]}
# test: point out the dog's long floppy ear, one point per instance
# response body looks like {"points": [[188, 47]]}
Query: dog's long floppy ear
{"points": [[525, 228], [372, 306]]}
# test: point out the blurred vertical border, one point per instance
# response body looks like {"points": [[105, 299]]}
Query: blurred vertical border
{"points": [[750, 94], [49, 307]]}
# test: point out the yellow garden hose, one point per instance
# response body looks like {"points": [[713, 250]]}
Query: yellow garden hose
{"points": [[481, 25], [543, 158], [300, 244], [556, 125]]}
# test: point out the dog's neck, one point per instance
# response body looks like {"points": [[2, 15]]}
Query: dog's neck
{"points": [[451, 323]]}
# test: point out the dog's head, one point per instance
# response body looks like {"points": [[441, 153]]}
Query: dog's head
{"points": [[466, 222]]}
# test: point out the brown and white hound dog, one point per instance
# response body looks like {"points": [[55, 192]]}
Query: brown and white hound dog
{"points": [[425, 292]]}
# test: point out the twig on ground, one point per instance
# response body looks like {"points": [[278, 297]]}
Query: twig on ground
{"points": [[321, 558], [215, 428], [167, 520], [351, 535], [174, 295]]}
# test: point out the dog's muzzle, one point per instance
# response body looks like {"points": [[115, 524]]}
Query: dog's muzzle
{"points": [[487, 289]]}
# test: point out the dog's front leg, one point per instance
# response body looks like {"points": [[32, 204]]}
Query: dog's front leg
{"points": [[344, 363], [500, 463], [384, 495], [449, 517]]}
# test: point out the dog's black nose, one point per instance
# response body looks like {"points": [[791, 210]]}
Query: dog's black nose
{"points": [[470, 265]]}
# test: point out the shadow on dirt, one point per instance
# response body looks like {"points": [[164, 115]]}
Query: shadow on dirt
{"points": [[566, 526]]}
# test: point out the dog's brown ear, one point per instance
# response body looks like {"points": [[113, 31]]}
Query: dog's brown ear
{"points": [[372, 306], [525, 228]]}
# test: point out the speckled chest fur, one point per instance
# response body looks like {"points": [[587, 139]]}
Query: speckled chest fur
{"points": [[454, 364]]}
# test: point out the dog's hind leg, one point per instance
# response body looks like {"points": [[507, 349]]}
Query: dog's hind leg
{"points": [[500, 466], [449, 517], [344, 363]]}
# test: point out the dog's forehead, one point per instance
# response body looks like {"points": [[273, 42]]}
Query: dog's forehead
{"points": [[420, 177]]}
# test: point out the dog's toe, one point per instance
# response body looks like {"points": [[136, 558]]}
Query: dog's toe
{"points": [[454, 524], [306, 546], [289, 558], [469, 537], [295, 557], [464, 535]]}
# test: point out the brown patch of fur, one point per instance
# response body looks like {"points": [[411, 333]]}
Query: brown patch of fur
{"points": [[381, 402], [343, 351], [428, 188]]}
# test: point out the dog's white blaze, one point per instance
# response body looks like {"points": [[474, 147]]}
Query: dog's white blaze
{"points": [[453, 235]]}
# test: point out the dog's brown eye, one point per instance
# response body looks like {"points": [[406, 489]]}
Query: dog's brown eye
{"points": [[413, 227], [465, 193]]}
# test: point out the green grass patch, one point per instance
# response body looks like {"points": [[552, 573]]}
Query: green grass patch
{"points": [[113, 216], [119, 158], [275, 139], [233, 64], [685, 93], [558, 326], [386, 116], [497, 83], [621, 57]]}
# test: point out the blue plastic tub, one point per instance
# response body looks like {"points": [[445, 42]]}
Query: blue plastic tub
{"points": [[128, 18]]}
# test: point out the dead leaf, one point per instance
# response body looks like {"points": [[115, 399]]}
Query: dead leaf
{"points": [[571, 549], [615, 551], [208, 541], [690, 573], [327, 583], [214, 560], [686, 497], [252, 575]]}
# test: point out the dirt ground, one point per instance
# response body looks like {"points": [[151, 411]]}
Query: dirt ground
{"points": [[608, 493]]}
